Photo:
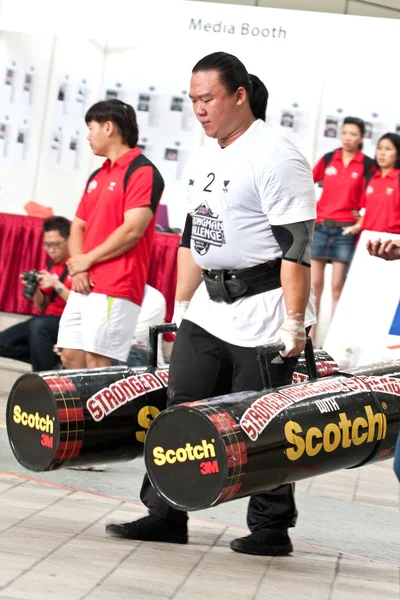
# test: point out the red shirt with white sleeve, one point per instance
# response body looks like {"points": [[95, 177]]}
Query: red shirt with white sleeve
{"points": [[382, 203], [343, 187], [102, 207]]}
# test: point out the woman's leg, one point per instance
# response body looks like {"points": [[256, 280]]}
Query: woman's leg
{"points": [[339, 270]]}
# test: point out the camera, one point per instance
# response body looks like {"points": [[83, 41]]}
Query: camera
{"points": [[32, 283]]}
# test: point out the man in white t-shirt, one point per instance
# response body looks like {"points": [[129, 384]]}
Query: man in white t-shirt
{"points": [[244, 267]]}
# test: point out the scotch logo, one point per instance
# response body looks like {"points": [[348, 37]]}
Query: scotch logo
{"points": [[189, 452], [225, 188], [191, 181], [207, 229], [33, 420], [345, 433]]}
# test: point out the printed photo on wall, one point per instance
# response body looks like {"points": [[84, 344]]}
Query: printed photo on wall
{"points": [[114, 91], [81, 94], [287, 119], [22, 143], [144, 102], [4, 139], [177, 103], [28, 85], [74, 147], [171, 154], [56, 146], [28, 82], [63, 94], [331, 128], [369, 130], [111, 94], [9, 83]]}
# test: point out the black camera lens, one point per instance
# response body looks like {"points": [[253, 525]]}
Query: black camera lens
{"points": [[32, 284]]}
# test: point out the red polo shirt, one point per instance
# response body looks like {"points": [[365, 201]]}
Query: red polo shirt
{"points": [[343, 187], [102, 207], [382, 203]]}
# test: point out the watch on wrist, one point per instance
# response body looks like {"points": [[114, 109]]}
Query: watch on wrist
{"points": [[59, 288]]}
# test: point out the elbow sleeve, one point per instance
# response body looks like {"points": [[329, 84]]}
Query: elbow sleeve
{"points": [[187, 233], [295, 240]]}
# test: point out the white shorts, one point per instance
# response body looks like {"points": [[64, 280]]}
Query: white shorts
{"points": [[98, 323]]}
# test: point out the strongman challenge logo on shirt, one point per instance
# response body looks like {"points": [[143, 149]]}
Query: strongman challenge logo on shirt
{"points": [[207, 229]]}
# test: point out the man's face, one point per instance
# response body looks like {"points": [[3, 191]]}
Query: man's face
{"points": [[56, 246], [213, 105], [99, 137]]}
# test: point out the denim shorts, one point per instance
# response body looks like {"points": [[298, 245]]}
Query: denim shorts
{"points": [[330, 244]]}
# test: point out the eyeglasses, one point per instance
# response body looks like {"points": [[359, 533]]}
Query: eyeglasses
{"points": [[54, 245]]}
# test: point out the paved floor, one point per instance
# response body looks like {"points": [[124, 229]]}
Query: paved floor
{"points": [[52, 542]]}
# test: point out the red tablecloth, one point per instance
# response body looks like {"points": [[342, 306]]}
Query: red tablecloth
{"points": [[21, 250]]}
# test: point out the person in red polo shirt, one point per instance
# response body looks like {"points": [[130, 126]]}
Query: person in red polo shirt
{"points": [[111, 242], [342, 175], [32, 340], [381, 199]]}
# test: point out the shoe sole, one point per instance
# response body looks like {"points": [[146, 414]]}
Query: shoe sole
{"points": [[177, 540], [271, 551]]}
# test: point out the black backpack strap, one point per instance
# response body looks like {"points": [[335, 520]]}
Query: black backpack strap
{"points": [[328, 157], [63, 274], [158, 181], [60, 279], [369, 169]]}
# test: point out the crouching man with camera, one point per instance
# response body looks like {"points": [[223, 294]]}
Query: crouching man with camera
{"points": [[32, 341]]}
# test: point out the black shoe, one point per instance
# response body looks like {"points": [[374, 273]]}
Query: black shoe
{"points": [[151, 529], [264, 542]]}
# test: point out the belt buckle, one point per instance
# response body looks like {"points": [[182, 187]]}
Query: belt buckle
{"points": [[217, 286]]}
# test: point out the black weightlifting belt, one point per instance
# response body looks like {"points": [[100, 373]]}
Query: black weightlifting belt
{"points": [[228, 286]]}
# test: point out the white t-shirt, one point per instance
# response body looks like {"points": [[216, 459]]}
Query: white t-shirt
{"points": [[235, 194]]}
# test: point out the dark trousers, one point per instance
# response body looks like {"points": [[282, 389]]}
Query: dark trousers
{"points": [[203, 366], [32, 342]]}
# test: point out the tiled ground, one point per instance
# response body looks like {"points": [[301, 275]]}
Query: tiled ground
{"points": [[52, 545]]}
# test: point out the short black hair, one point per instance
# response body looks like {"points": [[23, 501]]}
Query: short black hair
{"points": [[355, 121], [121, 114], [233, 74], [60, 224]]}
